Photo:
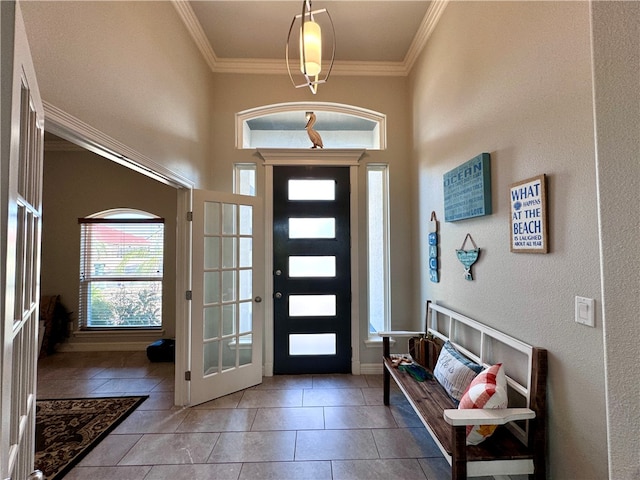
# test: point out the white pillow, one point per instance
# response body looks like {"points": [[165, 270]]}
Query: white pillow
{"points": [[455, 372]]}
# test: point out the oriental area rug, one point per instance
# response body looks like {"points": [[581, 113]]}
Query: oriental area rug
{"points": [[67, 429]]}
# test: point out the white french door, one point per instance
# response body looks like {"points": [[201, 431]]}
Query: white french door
{"points": [[227, 288], [21, 142]]}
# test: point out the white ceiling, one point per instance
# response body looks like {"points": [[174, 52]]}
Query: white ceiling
{"points": [[372, 37]]}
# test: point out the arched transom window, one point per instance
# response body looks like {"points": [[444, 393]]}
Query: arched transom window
{"points": [[283, 126]]}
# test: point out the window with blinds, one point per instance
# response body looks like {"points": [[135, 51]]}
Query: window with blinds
{"points": [[121, 271]]}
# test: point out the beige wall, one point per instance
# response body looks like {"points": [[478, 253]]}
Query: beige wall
{"points": [[616, 53], [77, 184], [130, 70], [514, 79]]}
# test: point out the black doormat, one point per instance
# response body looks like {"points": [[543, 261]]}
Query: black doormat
{"points": [[68, 429]]}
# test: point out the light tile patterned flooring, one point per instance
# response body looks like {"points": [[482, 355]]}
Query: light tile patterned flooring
{"points": [[310, 427]]}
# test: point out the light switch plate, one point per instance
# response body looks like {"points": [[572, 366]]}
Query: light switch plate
{"points": [[585, 311]]}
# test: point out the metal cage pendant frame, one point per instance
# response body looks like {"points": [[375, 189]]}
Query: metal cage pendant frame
{"points": [[307, 14]]}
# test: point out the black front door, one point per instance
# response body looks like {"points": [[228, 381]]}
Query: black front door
{"points": [[312, 270]]}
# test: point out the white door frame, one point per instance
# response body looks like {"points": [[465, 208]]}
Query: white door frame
{"points": [[324, 158]]}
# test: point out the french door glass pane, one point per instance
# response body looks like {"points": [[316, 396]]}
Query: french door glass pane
{"points": [[212, 218], [229, 221], [246, 317], [312, 305], [312, 190], [246, 350], [211, 252], [312, 228], [228, 319], [211, 359], [229, 353], [246, 252], [246, 220], [246, 283], [228, 252], [308, 266], [211, 287], [312, 344], [211, 322], [229, 286]]}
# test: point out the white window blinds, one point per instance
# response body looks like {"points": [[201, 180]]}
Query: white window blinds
{"points": [[121, 272]]}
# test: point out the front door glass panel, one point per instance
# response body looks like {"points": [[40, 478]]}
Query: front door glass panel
{"points": [[312, 305], [312, 266], [312, 344], [312, 190], [312, 228]]}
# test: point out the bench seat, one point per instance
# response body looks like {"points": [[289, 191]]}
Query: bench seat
{"points": [[430, 400], [518, 445]]}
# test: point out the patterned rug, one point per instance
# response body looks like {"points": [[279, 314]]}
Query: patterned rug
{"points": [[67, 429]]}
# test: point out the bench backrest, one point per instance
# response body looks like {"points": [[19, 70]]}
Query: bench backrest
{"points": [[525, 366]]}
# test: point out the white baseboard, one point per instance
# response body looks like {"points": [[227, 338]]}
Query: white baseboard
{"points": [[371, 369], [102, 347]]}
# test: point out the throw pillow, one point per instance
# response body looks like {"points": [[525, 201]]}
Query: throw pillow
{"points": [[487, 390], [454, 371]]}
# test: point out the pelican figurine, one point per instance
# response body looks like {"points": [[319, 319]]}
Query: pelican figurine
{"points": [[313, 135]]}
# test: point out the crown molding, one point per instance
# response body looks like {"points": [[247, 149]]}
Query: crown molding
{"points": [[188, 16], [256, 66], [427, 27]]}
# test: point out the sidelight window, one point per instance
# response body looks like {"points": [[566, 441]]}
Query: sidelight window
{"points": [[378, 248]]}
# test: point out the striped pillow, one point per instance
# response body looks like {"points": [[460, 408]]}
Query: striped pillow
{"points": [[487, 390], [454, 372]]}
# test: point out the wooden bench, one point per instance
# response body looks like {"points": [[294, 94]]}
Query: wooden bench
{"points": [[518, 446]]}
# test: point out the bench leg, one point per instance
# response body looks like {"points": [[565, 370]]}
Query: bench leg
{"points": [[459, 457], [386, 376], [386, 385]]}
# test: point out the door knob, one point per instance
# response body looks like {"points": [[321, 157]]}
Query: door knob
{"points": [[278, 295], [258, 299], [278, 273]]}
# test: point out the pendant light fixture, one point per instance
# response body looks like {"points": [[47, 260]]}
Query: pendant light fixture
{"points": [[307, 34]]}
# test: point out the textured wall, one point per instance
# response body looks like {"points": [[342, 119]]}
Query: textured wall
{"points": [[514, 79], [616, 53], [130, 70]]}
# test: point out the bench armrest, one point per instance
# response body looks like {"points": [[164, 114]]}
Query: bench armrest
{"points": [[400, 334], [490, 416]]}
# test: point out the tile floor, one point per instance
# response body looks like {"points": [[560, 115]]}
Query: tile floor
{"points": [[309, 427]]}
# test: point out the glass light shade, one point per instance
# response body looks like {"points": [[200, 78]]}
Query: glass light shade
{"points": [[312, 45]]}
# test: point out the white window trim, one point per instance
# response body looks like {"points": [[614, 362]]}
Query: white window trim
{"points": [[240, 167], [373, 338], [83, 329], [379, 118]]}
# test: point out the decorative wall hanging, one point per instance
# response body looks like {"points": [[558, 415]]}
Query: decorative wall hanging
{"points": [[529, 216], [433, 248], [467, 189], [468, 257]]}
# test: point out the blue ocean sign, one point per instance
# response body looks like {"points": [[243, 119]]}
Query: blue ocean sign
{"points": [[467, 189]]}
